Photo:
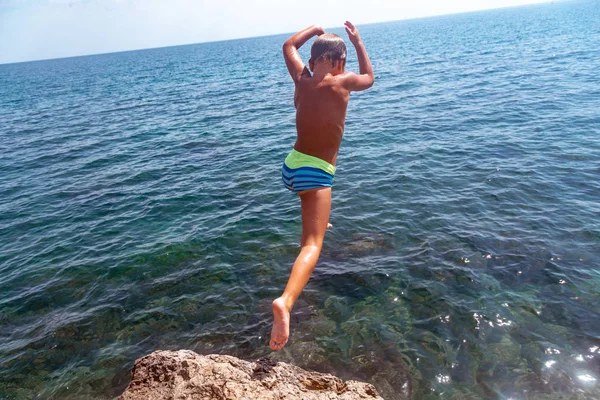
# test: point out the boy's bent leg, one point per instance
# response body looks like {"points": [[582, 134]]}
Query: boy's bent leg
{"points": [[316, 206]]}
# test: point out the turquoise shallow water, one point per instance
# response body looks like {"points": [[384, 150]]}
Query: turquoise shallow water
{"points": [[141, 208]]}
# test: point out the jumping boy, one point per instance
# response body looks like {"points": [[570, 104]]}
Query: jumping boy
{"points": [[321, 100]]}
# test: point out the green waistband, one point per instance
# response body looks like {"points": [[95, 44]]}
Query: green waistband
{"points": [[296, 160]]}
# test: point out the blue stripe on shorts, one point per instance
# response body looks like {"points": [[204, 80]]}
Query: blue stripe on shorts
{"points": [[305, 178]]}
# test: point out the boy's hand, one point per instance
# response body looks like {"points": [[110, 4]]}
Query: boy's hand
{"points": [[352, 32], [292, 58], [318, 30]]}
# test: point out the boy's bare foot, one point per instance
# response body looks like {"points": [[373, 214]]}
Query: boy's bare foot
{"points": [[281, 325], [329, 226]]}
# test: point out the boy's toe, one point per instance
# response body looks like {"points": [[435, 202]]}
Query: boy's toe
{"points": [[275, 346]]}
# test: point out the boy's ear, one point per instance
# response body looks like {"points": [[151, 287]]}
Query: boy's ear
{"points": [[311, 65]]}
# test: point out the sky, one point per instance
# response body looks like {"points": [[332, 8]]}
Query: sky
{"points": [[43, 29]]}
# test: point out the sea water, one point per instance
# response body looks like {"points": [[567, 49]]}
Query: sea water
{"points": [[141, 208]]}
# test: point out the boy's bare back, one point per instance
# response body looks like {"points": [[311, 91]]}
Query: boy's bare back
{"points": [[321, 99], [321, 104]]}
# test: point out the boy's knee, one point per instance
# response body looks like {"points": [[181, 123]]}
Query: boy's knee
{"points": [[312, 247]]}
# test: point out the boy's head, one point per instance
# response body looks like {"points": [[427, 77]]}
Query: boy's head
{"points": [[330, 48]]}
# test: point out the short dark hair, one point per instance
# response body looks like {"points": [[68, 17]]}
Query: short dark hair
{"points": [[328, 46]]}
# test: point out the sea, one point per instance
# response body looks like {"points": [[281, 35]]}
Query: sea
{"points": [[142, 208]]}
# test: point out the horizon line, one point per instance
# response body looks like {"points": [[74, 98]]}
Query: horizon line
{"points": [[282, 33]]}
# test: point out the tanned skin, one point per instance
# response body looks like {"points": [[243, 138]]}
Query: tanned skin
{"points": [[321, 100]]}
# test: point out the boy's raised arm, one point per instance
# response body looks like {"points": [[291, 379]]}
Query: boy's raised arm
{"points": [[365, 78], [292, 58]]}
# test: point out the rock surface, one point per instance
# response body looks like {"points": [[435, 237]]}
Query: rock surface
{"points": [[184, 374]]}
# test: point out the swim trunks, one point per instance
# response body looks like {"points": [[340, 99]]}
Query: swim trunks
{"points": [[302, 172]]}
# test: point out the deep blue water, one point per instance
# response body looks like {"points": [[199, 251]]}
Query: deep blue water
{"points": [[141, 208]]}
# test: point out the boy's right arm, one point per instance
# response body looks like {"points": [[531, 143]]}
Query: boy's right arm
{"points": [[292, 58], [365, 79]]}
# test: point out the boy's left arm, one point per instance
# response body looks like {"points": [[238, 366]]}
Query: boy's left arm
{"points": [[293, 61], [365, 78]]}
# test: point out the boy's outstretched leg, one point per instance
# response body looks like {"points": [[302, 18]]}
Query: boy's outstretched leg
{"points": [[316, 206]]}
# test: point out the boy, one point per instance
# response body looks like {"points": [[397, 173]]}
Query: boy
{"points": [[321, 100]]}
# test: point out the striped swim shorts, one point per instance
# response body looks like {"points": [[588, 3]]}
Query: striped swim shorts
{"points": [[302, 172]]}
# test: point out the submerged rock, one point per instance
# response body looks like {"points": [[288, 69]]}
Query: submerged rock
{"points": [[184, 374], [367, 242], [361, 244]]}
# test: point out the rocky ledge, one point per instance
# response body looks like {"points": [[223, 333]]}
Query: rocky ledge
{"points": [[184, 374]]}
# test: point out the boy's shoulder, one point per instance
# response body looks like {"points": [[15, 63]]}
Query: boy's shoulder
{"points": [[313, 87], [340, 80]]}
